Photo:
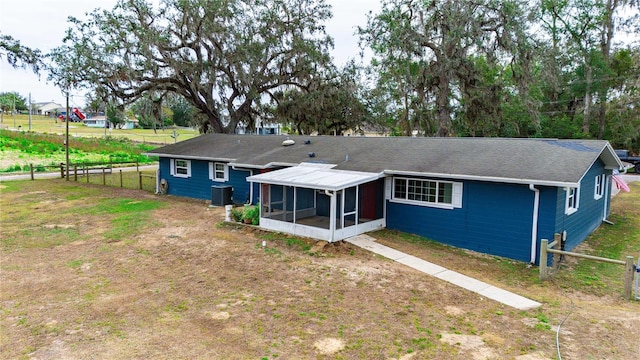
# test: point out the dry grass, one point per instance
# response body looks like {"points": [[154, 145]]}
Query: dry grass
{"points": [[178, 286]]}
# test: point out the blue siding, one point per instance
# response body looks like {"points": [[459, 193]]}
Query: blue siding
{"points": [[305, 198], [590, 211], [241, 188], [199, 185], [494, 218], [547, 214]]}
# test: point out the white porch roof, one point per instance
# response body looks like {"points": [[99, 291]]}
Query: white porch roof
{"points": [[315, 177]]}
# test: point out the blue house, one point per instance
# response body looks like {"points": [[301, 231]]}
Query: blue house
{"points": [[495, 196]]}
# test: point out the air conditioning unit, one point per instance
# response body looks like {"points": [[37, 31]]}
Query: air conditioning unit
{"points": [[221, 195]]}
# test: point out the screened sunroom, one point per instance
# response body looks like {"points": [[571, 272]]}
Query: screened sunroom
{"points": [[316, 201]]}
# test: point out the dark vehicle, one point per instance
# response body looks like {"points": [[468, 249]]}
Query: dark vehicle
{"points": [[626, 157]]}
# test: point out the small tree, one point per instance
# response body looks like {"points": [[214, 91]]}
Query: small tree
{"points": [[116, 115], [12, 100]]}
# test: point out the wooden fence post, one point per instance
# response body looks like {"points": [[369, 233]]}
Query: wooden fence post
{"points": [[544, 272], [104, 177], [140, 177], [31, 170], [75, 172], [557, 239], [628, 278], [120, 177], [62, 170]]}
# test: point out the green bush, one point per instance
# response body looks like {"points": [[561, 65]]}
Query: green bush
{"points": [[237, 214], [252, 214]]}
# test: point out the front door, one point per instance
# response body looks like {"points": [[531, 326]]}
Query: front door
{"points": [[369, 195]]}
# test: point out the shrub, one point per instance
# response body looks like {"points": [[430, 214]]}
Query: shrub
{"points": [[237, 214], [252, 214]]}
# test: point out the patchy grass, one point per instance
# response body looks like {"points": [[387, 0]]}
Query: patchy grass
{"points": [[610, 241], [64, 215], [119, 178], [181, 284]]}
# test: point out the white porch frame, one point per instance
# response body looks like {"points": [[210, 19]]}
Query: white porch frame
{"points": [[334, 183]]}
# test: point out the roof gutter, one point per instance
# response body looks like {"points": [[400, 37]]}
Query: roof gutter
{"points": [[265, 166], [486, 178], [534, 223], [188, 157], [230, 161]]}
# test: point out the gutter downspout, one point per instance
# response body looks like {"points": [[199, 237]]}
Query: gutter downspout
{"points": [[158, 180], [332, 214], [534, 226], [250, 189], [607, 198]]}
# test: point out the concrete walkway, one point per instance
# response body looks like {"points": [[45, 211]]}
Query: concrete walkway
{"points": [[489, 291]]}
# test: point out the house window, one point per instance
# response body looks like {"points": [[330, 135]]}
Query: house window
{"points": [[427, 192], [573, 199], [218, 171], [599, 187], [181, 168]]}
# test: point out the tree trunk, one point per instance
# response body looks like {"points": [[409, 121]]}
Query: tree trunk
{"points": [[605, 45], [587, 102], [442, 107]]}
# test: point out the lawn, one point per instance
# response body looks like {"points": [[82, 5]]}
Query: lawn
{"points": [[49, 125], [121, 274]]}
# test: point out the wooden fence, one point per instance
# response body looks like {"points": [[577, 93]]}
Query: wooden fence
{"points": [[546, 248], [124, 175]]}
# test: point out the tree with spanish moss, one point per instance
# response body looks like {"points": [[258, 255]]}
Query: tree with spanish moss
{"points": [[426, 59], [223, 57], [18, 55]]}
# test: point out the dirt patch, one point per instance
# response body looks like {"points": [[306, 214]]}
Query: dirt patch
{"points": [[329, 346], [472, 345], [188, 288]]}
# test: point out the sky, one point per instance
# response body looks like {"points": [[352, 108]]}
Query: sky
{"points": [[41, 24]]}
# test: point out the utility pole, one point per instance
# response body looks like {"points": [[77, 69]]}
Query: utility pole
{"points": [[30, 111], [66, 141], [175, 135], [14, 110]]}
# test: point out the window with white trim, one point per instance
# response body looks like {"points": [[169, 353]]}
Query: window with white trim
{"points": [[599, 187], [444, 194], [573, 200], [181, 168], [218, 171]]}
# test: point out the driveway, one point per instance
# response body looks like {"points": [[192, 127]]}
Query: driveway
{"points": [[627, 178]]}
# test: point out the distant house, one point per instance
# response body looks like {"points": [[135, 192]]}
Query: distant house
{"points": [[48, 108], [102, 122], [261, 128], [495, 196], [97, 122], [369, 130]]}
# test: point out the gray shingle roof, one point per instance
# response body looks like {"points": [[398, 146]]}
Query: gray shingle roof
{"points": [[539, 161]]}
